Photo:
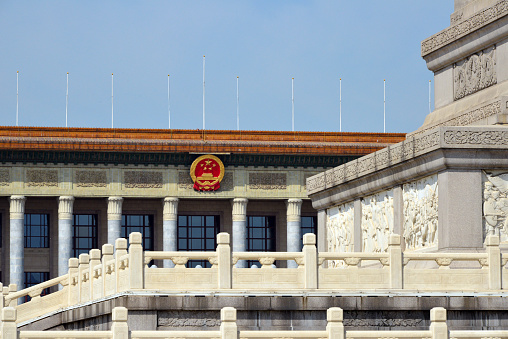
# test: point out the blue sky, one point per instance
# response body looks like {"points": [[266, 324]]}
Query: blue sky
{"points": [[265, 43]]}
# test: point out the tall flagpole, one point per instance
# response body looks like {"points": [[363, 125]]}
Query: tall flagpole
{"points": [[17, 96], [203, 92], [429, 95], [340, 105], [384, 106], [293, 103], [169, 110], [66, 99], [237, 106], [111, 100]]}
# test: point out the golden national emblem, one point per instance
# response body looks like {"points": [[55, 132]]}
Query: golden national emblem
{"points": [[207, 172]]}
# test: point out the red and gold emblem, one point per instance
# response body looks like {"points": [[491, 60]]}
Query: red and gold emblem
{"points": [[207, 172]]}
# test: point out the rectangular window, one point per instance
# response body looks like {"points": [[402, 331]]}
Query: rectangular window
{"points": [[36, 230], [139, 223], [34, 278], [198, 233], [260, 235], [84, 236], [309, 226]]}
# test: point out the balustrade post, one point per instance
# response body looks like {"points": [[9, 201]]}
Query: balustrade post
{"points": [[119, 328], [13, 288], [438, 326], [492, 244], [228, 327], [310, 258], [83, 271], [5, 292], [136, 261], [72, 298], [396, 267], [224, 261], [95, 259], [2, 299], [107, 255], [8, 327], [120, 251], [335, 326]]}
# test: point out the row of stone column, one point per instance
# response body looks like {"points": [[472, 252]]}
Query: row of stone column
{"points": [[170, 236]]}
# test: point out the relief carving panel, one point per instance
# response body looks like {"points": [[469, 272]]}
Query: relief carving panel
{"points": [[5, 179], [267, 181], [495, 204], [420, 213], [41, 178], [91, 179], [142, 179], [474, 73], [377, 221], [339, 231]]}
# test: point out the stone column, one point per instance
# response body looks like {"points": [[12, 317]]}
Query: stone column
{"points": [[169, 227], [17, 240], [65, 205], [240, 228], [114, 218], [294, 228]]}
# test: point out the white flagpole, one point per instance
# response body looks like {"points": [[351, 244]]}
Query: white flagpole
{"points": [[169, 110], [17, 96], [293, 103], [340, 105], [111, 100], [237, 106], [384, 106], [66, 99], [203, 92], [429, 95]]}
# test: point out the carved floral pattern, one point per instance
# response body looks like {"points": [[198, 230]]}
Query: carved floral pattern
{"points": [[465, 137], [5, 179], [142, 179], [474, 74], [267, 181], [420, 213], [91, 179], [40, 178]]}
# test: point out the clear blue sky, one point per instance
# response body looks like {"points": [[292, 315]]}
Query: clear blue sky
{"points": [[264, 42]]}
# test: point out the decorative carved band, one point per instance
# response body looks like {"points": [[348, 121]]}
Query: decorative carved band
{"points": [[143, 179], [39, 178], [476, 137], [474, 74], [91, 179], [465, 27], [267, 181], [185, 181], [5, 179]]}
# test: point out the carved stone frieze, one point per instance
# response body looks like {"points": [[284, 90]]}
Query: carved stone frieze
{"points": [[472, 137], [426, 142], [41, 178], [377, 221], [267, 181], [495, 204], [420, 213], [305, 177], [465, 27], [142, 179], [475, 73], [339, 231], [5, 178], [185, 181], [91, 178]]}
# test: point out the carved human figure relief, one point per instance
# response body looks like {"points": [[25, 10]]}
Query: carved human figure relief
{"points": [[420, 200], [495, 204], [377, 221], [340, 223], [475, 73]]}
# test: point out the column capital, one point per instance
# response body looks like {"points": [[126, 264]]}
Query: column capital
{"points": [[239, 209], [294, 209], [170, 208], [115, 208], [65, 207], [17, 206]]}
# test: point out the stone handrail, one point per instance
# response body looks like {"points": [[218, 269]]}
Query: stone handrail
{"points": [[229, 329], [100, 274]]}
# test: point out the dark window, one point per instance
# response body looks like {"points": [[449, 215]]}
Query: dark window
{"points": [[84, 236], [34, 278], [309, 226], [36, 230], [198, 233], [139, 223], [260, 235]]}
